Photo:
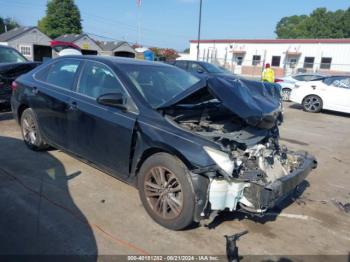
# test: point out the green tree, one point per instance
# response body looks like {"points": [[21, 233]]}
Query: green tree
{"points": [[7, 23], [321, 23], [62, 17]]}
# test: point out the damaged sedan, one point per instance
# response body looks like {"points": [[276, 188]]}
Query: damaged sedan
{"points": [[193, 147]]}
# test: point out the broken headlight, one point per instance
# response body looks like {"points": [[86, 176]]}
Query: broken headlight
{"points": [[221, 159]]}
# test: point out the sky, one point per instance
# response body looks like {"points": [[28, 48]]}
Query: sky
{"points": [[172, 23]]}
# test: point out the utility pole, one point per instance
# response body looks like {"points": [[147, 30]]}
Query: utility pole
{"points": [[199, 28]]}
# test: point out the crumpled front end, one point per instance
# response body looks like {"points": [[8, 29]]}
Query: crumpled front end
{"points": [[262, 179], [240, 121]]}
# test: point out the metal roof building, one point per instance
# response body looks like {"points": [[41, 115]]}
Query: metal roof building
{"points": [[29, 41]]}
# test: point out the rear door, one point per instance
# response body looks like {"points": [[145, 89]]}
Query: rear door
{"points": [[338, 93], [98, 133], [50, 96]]}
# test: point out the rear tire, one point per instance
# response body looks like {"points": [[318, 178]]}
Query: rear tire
{"points": [[31, 131], [166, 191], [312, 104]]}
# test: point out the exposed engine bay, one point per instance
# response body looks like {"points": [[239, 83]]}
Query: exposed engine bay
{"points": [[253, 180]]}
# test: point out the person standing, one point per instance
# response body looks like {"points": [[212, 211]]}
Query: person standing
{"points": [[268, 75]]}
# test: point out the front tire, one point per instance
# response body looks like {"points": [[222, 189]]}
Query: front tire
{"points": [[31, 131], [312, 104], [166, 191]]}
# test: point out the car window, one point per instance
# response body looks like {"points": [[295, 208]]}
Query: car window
{"points": [[158, 84], [195, 67], [212, 68], [308, 77], [97, 79], [62, 73], [300, 77], [338, 81], [8, 55], [181, 64]]}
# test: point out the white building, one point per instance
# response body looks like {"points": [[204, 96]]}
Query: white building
{"points": [[286, 56]]}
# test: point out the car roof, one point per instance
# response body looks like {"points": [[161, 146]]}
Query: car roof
{"points": [[115, 60]]}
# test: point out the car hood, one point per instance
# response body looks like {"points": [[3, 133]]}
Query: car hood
{"points": [[252, 101]]}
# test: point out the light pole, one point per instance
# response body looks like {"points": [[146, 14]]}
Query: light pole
{"points": [[199, 28]]}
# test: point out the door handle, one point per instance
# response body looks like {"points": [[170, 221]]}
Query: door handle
{"points": [[35, 91], [73, 106]]}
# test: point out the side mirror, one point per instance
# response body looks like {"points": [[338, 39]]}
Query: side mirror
{"points": [[200, 71], [113, 100]]}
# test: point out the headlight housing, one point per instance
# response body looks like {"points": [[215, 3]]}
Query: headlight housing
{"points": [[221, 159]]}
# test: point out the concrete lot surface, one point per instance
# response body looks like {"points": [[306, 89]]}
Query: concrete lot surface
{"points": [[51, 203]]}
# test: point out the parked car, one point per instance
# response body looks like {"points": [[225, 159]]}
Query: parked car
{"points": [[191, 146], [65, 48], [12, 65], [332, 93], [287, 83], [201, 69]]}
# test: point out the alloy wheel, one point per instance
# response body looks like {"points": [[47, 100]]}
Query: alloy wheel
{"points": [[29, 130], [312, 103], [163, 192]]}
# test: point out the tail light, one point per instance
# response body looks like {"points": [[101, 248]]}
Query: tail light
{"points": [[14, 86], [278, 80]]}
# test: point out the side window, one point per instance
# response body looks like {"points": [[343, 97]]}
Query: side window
{"points": [[309, 62], [276, 61], [299, 78], [62, 73], [181, 64], [97, 79], [42, 74], [308, 77], [256, 60], [341, 82], [194, 67]]}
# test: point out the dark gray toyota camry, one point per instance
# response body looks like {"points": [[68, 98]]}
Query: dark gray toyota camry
{"points": [[192, 147]]}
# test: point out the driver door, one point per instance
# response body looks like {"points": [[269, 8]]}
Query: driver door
{"points": [[101, 134]]}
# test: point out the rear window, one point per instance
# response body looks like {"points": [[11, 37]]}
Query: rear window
{"points": [[61, 73], [338, 81]]}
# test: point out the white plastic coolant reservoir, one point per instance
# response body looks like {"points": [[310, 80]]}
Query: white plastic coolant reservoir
{"points": [[223, 194]]}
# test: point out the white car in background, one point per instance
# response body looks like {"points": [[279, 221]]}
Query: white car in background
{"points": [[287, 83], [332, 93]]}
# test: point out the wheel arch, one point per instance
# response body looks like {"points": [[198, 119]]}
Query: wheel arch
{"points": [[199, 183], [20, 111], [147, 153]]}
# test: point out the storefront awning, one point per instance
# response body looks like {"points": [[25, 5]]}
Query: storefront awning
{"points": [[239, 51], [293, 53]]}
